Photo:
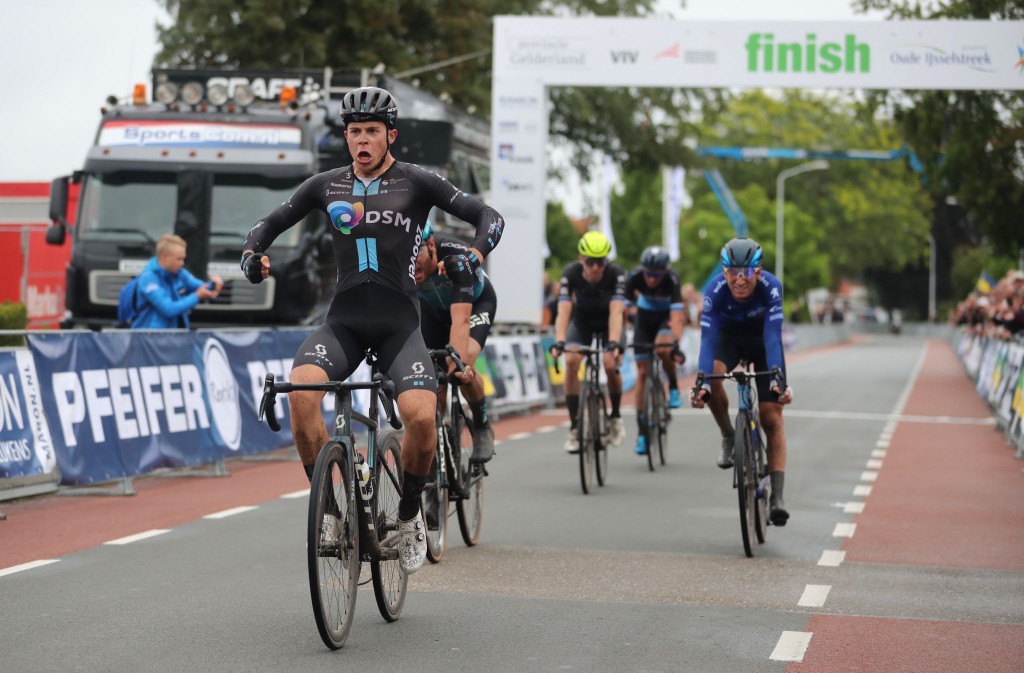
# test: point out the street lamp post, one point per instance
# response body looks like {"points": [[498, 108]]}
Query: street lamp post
{"points": [[931, 278], [780, 202]]}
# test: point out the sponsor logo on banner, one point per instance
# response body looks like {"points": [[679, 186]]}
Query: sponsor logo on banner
{"points": [[222, 392], [547, 52], [672, 51], [624, 57], [507, 152], [519, 101], [1019, 65], [811, 55], [700, 57], [157, 133], [517, 187], [972, 58], [24, 433]]}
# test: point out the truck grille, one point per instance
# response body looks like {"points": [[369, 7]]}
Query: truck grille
{"points": [[237, 295]]}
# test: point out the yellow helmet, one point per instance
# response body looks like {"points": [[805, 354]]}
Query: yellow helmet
{"points": [[594, 244]]}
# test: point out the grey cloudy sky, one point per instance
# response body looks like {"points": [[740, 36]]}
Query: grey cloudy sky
{"points": [[61, 59]]}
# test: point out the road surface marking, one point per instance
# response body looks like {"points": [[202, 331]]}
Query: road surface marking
{"points": [[548, 428], [518, 435], [831, 557], [868, 475], [230, 512], [882, 444], [844, 530], [26, 566], [854, 507], [878, 453], [792, 646], [874, 464], [862, 490], [297, 494], [814, 595], [139, 536]]}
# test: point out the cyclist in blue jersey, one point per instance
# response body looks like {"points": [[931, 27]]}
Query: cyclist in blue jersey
{"points": [[591, 303], [654, 293], [378, 207], [742, 319], [458, 310]]}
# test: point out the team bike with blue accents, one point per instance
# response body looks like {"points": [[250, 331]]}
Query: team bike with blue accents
{"points": [[655, 414], [592, 419], [749, 460], [353, 505]]}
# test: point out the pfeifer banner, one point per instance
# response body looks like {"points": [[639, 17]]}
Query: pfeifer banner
{"points": [[26, 447]]}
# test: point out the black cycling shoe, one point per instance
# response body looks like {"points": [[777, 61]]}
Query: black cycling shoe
{"points": [[483, 444], [778, 516]]}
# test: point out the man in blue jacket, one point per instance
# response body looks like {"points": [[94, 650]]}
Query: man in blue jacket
{"points": [[167, 291]]}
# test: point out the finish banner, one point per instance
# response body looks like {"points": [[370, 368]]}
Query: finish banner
{"points": [[26, 448], [125, 403]]}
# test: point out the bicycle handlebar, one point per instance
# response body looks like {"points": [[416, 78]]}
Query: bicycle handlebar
{"points": [[439, 356], [384, 387], [740, 376]]}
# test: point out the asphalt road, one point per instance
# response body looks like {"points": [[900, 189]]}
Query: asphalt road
{"points": [[646, 574]]}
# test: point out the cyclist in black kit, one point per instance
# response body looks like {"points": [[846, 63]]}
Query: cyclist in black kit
{"points": [[459, 313], [378, 207], [654, 291], [593, 294]]}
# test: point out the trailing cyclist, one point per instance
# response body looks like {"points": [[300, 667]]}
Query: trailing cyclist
{"points": [[378, 207], [654, 291], [591, 303], [458, 309], [742, 319]]}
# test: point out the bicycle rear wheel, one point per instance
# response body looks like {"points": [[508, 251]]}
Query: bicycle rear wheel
{"points": [[332, 544], [434, 501], [598, 420], [664, 416], [587, 439], [389, 582], [470, 508], [746, 481]]}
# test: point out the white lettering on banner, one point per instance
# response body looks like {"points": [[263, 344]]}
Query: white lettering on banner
{"points": [[258, 371], [44, 302], [10, 406], [44, 451], [15, 451], [100, 393]]}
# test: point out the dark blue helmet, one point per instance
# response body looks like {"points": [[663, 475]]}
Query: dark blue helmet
{"points": [[654, 258], [742, 252]]}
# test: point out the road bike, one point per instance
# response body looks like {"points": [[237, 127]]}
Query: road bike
{"points": [[750, 466], [345, 529], [592, 419], [452, 478], [653, 425]]}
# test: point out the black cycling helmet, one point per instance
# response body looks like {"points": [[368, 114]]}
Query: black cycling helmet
{"points": [[654, 258], [369, 104], [742, 252]]}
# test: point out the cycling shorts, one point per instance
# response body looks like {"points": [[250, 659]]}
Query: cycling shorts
{"points": [[648, 325], [736, 345], [436, 322], [583, 334], [371, 316]]}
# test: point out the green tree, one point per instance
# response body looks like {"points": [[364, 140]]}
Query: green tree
{"points": [[968, 141], [561, 238]]}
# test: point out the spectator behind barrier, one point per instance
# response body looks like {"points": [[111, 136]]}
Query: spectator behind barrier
{"points": [[167, 291]]}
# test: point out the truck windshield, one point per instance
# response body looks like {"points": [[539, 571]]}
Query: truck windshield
{"points": [[115, 203], [119, 203], [239, 201]]}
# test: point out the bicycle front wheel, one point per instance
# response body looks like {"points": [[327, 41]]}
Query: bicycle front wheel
{"points": [[652, 416], [332, 544], [469, 507], [746, 481], [434, 501], [389, 582], [587, 439], [763, 484], [599, 424]]}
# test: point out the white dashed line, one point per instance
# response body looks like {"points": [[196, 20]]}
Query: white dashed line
{"points": [[868, 476], [853, 507], [831, 558], [26, 566], [882, 444], [548, 428], [518, 435], [874, 464], [844, 530], [862, 490], [814, 595], [878, 453], [297, 494], [139, 536], [230, 512], [792, 646]]}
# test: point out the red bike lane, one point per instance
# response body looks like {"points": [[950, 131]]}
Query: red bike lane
{"points": [[948, 495]]}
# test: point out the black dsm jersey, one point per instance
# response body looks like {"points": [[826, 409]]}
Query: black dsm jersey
{"points": [[377, 224], [591, 300]]}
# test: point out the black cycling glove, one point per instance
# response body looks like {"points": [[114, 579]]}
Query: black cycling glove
{"points": [[459, 269], [252, 267]]}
